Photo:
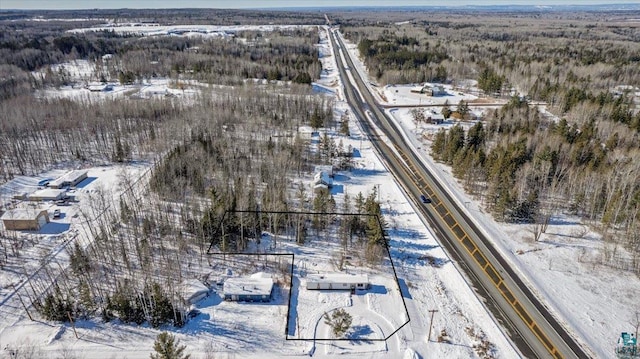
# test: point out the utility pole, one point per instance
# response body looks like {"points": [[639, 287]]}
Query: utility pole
{"points": [[432, 311]]}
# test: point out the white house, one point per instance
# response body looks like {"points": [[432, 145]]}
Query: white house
{"points": [[338, 281], [256, 288]]}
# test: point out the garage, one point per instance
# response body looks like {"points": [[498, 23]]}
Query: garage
{"points": [[25, 219]]}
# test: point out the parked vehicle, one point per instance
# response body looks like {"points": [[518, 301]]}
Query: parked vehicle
{"points": [[56, 213], [424, 199], [44, 182]]}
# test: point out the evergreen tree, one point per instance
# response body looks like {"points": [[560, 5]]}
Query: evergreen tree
{"points": [[375, 221], [162, 311], [455, 143], [438, 144], [446, 110], [463, 108], [167, 347], [344, 124], [475, 137], [340, 322]]}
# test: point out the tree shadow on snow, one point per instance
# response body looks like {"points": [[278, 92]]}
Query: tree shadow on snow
{"points": [[404, 289], [359, 334]]}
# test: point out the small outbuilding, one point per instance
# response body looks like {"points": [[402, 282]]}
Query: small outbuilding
{"points": [[25, 219], [323, 178], [437, 91], [69, 179], [255, 288], [338, 281], [193, 290], [46, 194]]}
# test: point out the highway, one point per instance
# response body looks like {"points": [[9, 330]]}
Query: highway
{"points": [[525, 319]]}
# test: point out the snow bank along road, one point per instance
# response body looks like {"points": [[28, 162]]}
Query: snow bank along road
{"points": [[529, 324]]}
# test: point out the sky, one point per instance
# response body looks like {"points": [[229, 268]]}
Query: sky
{"points": [[247, 4]]}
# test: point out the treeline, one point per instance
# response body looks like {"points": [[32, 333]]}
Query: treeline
{"points": [[521, 51], [167, 16]]}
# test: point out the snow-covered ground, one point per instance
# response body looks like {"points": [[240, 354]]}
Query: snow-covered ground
{"points": [[596, 302], [428, 281], [147, 29]]}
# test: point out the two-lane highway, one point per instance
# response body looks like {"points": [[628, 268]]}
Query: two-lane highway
{"points": [[526, 320]]}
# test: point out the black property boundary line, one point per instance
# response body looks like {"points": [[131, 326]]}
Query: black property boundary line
{"points": [[386, 247]]}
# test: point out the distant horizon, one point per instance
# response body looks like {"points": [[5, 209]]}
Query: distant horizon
{"points": [[283, 4]]}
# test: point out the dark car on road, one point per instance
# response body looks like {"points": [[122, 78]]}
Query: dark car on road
{"points": [[424, 199]]}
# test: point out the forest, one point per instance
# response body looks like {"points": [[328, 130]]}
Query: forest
{"points": [[232, 144], [526, 165]]}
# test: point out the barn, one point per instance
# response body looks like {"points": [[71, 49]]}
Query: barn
{"points": [[69, 179], [46, 194], [25, 219], [255, 288], [337, 281]]}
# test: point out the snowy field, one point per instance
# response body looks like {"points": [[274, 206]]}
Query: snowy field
{"points": [[146, 29], [597, 302]]}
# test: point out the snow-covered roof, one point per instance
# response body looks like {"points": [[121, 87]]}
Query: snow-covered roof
{"points": [[192, 290], [305, 129], [46, 193], [322, 178], [257, 284], [24, 214], [324, 168], [338, 278], [68, 177]]}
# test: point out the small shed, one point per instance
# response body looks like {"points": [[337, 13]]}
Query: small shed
{"points": [[323, 178], [435, 118], [255, 288], [46, 194], [338, 281], [327, 169], [25, 219], [69, 179], [437, 91], [193, 290], [305, 132]]}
